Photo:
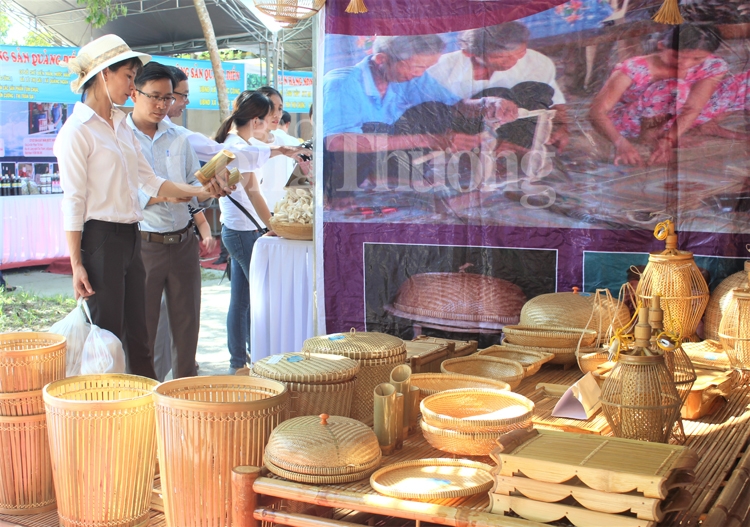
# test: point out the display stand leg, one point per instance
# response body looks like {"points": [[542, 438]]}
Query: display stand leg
{"points": [[244, 498], [417, 330]]}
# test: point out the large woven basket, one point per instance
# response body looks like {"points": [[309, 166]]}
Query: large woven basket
{"points": [[432, 479], [21, 403], [317, 383], [461, 443], [377, 354], [431, 383], [206, 426], [477, 410], [504, 370], [720, 299], [549, 336], [26, 483], [531, 361], [292, 231], [30, 360], [103, 445]]}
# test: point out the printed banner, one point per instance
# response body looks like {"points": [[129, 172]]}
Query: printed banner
{"points": [[536, 144]]}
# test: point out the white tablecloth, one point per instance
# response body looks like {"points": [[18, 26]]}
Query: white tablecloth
{"points": [[281, 296], [31, 228]]}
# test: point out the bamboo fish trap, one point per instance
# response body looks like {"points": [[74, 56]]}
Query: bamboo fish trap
{"points": [[734, 330]]}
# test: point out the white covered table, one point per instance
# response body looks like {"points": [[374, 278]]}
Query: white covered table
{"points": [[281, 296], [31, 229]]}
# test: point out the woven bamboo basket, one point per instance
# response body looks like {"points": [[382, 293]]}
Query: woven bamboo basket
{"points": [[708, 354], [317, 383], [564, 356], [205, 427], [639, 399], [377, 354], [433, 479], [589, 361], [549, 336], [504, 370], [477, 410], [102, 426], [719, 300], [734, 330], [531, 361], [322, 450], [431, 383], [26, 483], [461, 443], [30, 360], [292, 231], [21, 403]]}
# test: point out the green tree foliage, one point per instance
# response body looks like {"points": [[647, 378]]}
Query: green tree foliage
{"points": [[5, 24], [99, 12]]}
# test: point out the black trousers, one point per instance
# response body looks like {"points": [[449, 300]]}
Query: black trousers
{"points": [[111, 254]]}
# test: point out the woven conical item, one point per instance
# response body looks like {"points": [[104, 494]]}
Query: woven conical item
{"points": [[719, 301], [734, 330], [322, 450]]}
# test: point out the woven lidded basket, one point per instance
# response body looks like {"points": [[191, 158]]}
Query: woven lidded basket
{"points": [[317, 383], [531, 361], [504, 370], [377, 354], [461, 443], [477, 410], [431, 383], [549, 336], [30, 360], [464, 297], [322, 450], [719, 301], [292, 231]]}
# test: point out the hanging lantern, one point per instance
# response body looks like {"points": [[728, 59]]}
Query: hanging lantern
{"points": [[289, 12], [720, 299], [673, 275], [734, 330]]}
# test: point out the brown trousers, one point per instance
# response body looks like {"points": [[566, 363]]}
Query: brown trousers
{"points": [[175, 271]]}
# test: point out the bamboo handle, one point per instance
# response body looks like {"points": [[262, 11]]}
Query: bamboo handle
{"points": [[512, 440], [244, 499]]}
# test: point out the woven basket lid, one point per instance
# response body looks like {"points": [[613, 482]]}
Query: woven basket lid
{"points": [[357, 345], [327, 446], [574, 310], [461, 296], [308, 368]]}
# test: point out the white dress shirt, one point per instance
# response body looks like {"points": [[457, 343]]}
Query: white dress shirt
{"points": [[275, 173], [101, 170], [231, 216]]}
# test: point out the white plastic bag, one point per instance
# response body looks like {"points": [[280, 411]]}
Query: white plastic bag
{"points": [[75, 328], [102, 352]]}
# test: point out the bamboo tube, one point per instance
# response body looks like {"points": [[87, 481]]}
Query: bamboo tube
{"points": [[386, 428], [401, 380], [413, 408], [400, 435], [297, 520], [218, 162], [244, 500], [376, 504]]}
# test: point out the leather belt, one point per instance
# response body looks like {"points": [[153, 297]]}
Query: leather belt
{"points": [[167, 238]]}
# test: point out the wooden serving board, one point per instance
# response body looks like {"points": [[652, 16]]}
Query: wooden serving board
{"points": [[595, 500], [549, 512], [426, 357], [545, 398], [608, 464]]}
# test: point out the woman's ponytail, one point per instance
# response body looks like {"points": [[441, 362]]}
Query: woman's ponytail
{"points": [[248, 106], [223, 131]]}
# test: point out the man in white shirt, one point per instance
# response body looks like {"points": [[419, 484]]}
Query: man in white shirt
{"points": [[495, 61]]}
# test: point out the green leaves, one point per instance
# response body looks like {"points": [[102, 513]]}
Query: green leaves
{"points": [[99, 12]]}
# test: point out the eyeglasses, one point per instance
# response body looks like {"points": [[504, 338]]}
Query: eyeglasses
{"points": [[169, 101], [183, 95]]}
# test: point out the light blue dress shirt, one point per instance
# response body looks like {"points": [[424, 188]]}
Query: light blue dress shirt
{"points": [[170, 155], [350, 98]]}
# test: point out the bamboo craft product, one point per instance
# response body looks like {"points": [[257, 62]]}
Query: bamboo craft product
{"points": [[102, 426], [674, 276], [607, 464], [385, 423], [316, 383], [426, 357], [401, 380], [26, 482], [377, 354], [208, 171], [734, 330], [460, 348], [292, 231], [30, 360], [432, 479], [21, 403], [549, 336], [562, 356], [430, 383], [531, 361], [477, 410], [546, 397], [708, 354], [719, 301], [206, 426], [322, 450], [709, 393], [459, 442], [505, 370]]}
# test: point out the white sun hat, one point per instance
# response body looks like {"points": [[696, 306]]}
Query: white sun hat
{"points": [[97, 55]]}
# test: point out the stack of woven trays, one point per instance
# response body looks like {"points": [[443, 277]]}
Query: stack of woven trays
{"points": [[591, 480], [468, 421], [562, 342], [28, 361]]}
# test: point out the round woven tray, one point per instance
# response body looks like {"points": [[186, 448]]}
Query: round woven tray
{"points": [[307, 368], [292, 231], [318, 479], [432, 479], [505, 370], [461, 443], [549, 336], [477, 410], [531, 361], [431, 383]]}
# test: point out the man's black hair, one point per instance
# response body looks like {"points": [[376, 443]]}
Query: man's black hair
{"points": [[153, 71]]}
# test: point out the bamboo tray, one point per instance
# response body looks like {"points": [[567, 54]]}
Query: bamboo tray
{"points": [[477, 410], [544, 403], [509, 371], [608, 464], [433, 479], [531, 361], [425, 357], [549, 336], [292, 231], [562, 356], [432, 383], [460, 348], [644, 508]]}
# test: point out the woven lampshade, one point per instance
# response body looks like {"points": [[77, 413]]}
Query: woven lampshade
{"points": [[289, 12], [734, 330], [719, 301], [673, 275]]}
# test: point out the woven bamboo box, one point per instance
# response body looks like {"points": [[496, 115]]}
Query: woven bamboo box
{"points": [[426, 357]]}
